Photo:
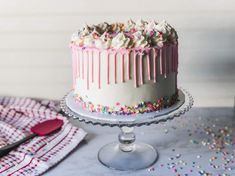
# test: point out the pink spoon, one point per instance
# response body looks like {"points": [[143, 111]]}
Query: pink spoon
{"points": [[42, 129]]}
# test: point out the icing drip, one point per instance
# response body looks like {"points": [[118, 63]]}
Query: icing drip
{"points": [[88, 70], [141, 67], [164, 62], [115, 68], [82, 64], [128, 66], [149, 69], [108, 61], [135, 69], [122, 69], [99, 70], [172, 59], [155, 56], [161, 61], [92, 66], [168, 60], [177, 58], [74, 68], [77, 63], [176, 65], [176, 68]]}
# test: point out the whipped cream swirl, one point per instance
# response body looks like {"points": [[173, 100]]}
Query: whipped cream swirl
{"points": [[140, 34], [103, 42], [121, 41], [140, 40]]}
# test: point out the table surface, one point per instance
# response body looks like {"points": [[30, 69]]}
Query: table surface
{"points": [[188, 145]]}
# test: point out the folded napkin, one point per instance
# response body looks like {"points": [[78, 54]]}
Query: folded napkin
{"points": [[17, 116]]}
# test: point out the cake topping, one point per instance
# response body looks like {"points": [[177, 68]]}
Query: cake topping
{"points": [[141, 34], [121, 41], [140, 40]]}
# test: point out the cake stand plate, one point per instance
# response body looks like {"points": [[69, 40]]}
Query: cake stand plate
{"points": [[127, 154]]}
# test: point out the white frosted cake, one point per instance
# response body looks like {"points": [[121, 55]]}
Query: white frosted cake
{"points": [[125, 68]]}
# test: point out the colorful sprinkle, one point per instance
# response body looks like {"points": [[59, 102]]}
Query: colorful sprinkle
{"points": [[143, 107]]}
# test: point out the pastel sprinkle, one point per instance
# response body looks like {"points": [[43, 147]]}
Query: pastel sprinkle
{"points": [[198, 156], [178, 155], [119, 109]]}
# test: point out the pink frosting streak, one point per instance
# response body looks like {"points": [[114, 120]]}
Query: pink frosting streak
{"points": [[168, 63]]}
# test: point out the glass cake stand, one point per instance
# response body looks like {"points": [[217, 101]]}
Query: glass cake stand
{"points": [[127, 154]]}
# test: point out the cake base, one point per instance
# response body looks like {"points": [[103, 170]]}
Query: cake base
{"points": [[142, 156], [121, 120]]}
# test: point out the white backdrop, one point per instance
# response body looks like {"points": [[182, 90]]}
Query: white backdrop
{"points": [[34, 36]]}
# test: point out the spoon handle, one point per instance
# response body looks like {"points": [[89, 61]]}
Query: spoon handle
{"points": [[5, 150]]}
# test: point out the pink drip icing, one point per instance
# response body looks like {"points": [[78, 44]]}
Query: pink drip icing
{"points": [[141, 67], [135, 69], [77, 64], [128, 66], [115, 68], [122, 69], [161, 61], [92, 66], [99, 70], [168, 60], [177, 57], [164, 62], [108, 61], [82, 64], [154, 65], [167, 64], [149, 69], [74, 68], [176, 82], [88, 70], [176, 69], [172, 59]]}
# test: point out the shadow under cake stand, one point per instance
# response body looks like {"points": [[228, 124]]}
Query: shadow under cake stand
{"points": [[127, 154]]}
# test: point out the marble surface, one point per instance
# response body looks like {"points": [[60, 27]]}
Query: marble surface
{"points": [[185, 147]]}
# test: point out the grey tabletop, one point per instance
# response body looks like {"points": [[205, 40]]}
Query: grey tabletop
{"points": [[201, 142]]}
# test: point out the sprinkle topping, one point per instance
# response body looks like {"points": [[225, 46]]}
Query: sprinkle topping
{"points": [[140, 34]]}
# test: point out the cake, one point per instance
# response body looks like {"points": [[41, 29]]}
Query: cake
{"points": [[125, 68]]}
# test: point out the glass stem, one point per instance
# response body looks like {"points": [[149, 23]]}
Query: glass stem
{"points": [[126, 139]]}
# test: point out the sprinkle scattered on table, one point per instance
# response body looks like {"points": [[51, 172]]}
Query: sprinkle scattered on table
{"points": [[216, 139]]}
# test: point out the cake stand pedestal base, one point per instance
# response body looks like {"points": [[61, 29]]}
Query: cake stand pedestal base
{"points": [[127, 155], [143, 156]]}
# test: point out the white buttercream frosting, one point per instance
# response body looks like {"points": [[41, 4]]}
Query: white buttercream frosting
{"points": [[129, 25], [88, 41], [120, 41], [126, 35], [140, 40], [103, 42], [141, 24]]}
